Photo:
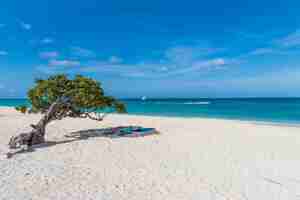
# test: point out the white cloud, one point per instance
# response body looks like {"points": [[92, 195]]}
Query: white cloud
{"points": [[185, 55], [283, 46], [273, 51], [115, 59], [82, 52], [25, 25], [64, 63], [156, 70], [202, 65], [59, 66], [291, 40], [48, 54], [176, 60], [47, 40], [3, 53], [195, 60]]}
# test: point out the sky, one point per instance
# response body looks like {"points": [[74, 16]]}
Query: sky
{"points": [[154, 48]]}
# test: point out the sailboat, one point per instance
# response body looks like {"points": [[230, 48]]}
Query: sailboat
{"points": [[144, 98]]}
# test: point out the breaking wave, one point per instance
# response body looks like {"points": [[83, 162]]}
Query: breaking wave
{"points": [[185, 103], [198, 103]]}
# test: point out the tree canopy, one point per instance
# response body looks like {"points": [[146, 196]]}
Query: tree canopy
{"points": [[84, 95]]}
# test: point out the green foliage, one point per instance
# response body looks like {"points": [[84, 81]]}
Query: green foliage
{"points": [[84, 94], [22, 109]]}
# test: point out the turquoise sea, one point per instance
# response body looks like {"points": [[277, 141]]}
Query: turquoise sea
{"points": [[279, 110]]}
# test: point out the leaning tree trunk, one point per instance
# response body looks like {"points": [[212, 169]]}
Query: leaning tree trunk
{"points": [[37, 135]]}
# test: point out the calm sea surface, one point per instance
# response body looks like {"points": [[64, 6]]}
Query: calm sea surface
{"points": [[280, 110]]}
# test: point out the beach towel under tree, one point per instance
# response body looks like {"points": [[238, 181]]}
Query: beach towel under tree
{"points": [[58, 97]]}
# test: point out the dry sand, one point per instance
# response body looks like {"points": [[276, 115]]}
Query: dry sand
{"points": [[203, 159]]}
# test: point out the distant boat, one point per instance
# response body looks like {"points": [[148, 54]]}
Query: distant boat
{"points": [[144, 98]]}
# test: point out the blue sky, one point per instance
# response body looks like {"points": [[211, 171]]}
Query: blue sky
{"points": [[154, 48]]}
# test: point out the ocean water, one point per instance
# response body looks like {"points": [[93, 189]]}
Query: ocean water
{"points": [[277, 110]]}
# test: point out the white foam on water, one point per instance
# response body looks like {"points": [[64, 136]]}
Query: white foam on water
{"points": [[185, 103], [198, 103]]}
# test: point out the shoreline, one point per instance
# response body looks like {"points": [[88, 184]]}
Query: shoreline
{"points": [[255, 122]]}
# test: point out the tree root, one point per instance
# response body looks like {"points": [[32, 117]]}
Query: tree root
{"points": [[26, 139]]}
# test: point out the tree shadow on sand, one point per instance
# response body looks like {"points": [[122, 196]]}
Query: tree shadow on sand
{"points": [[72, 137]]}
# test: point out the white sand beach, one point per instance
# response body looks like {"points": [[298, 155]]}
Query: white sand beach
{"points": [[192, 158]]}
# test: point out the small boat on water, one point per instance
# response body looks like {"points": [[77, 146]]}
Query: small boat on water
{"points": [[144, 98]]}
